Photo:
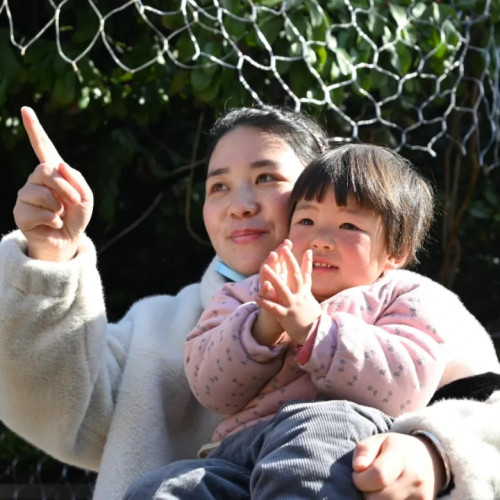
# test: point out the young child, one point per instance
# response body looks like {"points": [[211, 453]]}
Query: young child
{"points": [[347, 323]]}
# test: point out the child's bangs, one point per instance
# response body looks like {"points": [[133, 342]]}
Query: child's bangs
{"points": [[314, 185]]}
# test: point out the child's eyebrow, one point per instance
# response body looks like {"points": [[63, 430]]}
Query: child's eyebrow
{"points": [[314, 205], [306, 205], [255, 164]]}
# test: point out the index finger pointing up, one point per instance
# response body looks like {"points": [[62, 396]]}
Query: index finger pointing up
{"points": [[40, 141]]}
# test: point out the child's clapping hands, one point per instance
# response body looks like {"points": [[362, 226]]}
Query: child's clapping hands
{"points": [[285, 294]]}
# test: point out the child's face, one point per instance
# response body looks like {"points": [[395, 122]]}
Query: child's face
{"points": [[348, 244]]}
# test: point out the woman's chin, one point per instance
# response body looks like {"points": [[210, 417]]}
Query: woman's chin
{"points": [[246, 268]]}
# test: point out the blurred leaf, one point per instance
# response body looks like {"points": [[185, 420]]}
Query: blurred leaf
{"points": [[178, 82], [65, 88], [399, 14], [315, 12], [200, 79]]}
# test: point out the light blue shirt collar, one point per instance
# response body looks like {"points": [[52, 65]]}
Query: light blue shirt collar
{"points": [[227, 272]]}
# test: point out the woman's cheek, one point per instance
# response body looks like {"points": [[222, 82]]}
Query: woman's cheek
{"points": [[279, 209], [210, 220]]}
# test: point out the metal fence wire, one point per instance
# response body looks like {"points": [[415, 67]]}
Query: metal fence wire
{"points": [[27, 473], [362, 62]]}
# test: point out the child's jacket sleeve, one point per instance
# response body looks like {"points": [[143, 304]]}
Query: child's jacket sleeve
{"points": [[391, 345], [222, 338]]}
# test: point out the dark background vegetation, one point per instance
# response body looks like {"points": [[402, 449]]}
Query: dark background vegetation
{"points": [[139, 139]]}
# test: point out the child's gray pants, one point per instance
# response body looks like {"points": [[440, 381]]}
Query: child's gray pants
{"points": [[304, 452]]}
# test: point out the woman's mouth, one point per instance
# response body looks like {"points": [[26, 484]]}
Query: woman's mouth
{"points": [[246, 235]]}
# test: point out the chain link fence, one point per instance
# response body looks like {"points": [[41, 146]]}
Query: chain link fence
{"points": [[26, 473]]}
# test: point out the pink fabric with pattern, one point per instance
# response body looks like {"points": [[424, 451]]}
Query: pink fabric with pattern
{"points": [[389, 345]]}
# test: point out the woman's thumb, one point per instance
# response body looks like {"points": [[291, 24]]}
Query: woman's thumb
{"points": [[366, 452]]}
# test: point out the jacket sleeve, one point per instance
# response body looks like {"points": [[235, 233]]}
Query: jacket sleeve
{"points": [[470, 433], [224, 364], [60, 362], [378, 347]]}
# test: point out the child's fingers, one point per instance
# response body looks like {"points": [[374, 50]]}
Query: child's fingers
{"points": [[279, 267], [282, 267], [306, 267], [266, 291], [274, 308], [269, 262], [281, 290], [271, 259], [294, 273]]}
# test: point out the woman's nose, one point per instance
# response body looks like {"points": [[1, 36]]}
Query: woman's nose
{"points": [[243, 204]]}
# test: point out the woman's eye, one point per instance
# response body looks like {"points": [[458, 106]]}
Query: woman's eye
{"points": [[348, 225], [265, 178], [218, 186]]}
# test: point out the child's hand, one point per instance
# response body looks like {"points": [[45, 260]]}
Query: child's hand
{"points": [[275, 262], [394, 466], [54, 207], [266, 329], [286, 292]]}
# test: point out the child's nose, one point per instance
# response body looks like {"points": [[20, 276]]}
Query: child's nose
{"points": [[323, 240]]}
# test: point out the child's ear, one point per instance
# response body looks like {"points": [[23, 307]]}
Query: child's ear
{"points": [[395, 262]]}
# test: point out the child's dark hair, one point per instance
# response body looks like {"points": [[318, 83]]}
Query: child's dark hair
{"points": [[378, 179], [301, 132]]}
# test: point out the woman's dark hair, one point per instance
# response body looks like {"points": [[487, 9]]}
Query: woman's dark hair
{"points": [[378, 179], [301, 132]]}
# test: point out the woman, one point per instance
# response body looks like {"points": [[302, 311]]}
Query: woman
{"points": [[113, 397]]}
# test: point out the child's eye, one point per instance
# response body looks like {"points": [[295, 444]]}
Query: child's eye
{"points": [[265, 178], [306, 222], [348, 226], [217, 186]]}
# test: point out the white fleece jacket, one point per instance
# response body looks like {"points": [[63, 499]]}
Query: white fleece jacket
{"points": [[470, 433], [107, 397]]}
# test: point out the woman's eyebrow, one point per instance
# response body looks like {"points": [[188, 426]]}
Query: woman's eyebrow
{"points": [[255, 164], [264, 163], [217, 171]]}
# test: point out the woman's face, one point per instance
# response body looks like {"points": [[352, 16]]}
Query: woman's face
{"points": [[250, 176]]}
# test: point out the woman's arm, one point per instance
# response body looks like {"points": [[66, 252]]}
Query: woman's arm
{"points": [[395, 466], [468, 432], [59, 367]]}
